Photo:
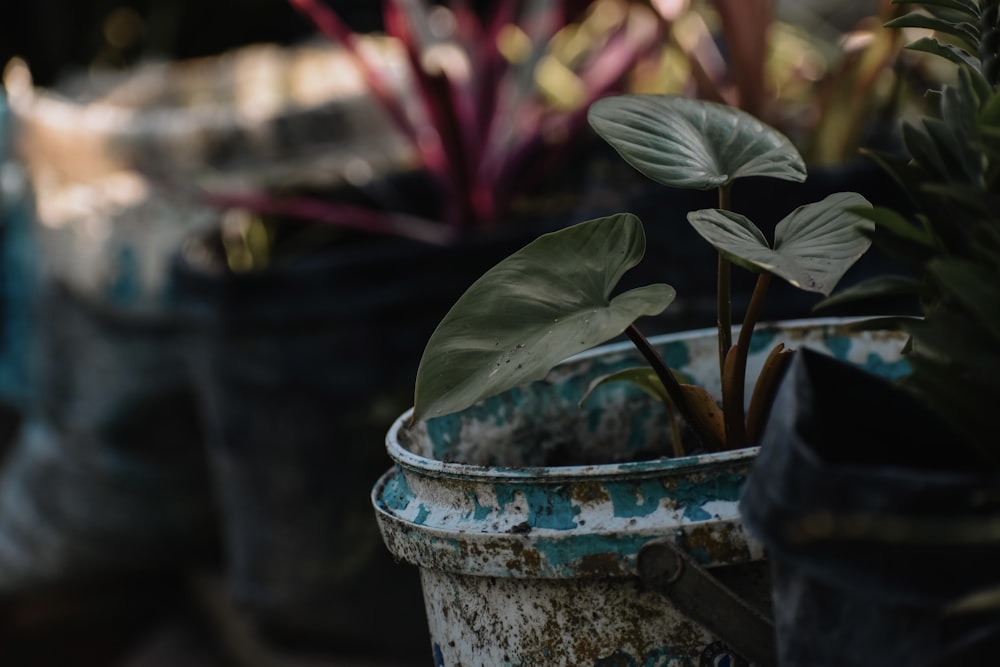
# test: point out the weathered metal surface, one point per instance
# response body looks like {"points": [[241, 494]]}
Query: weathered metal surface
{"points": [[706, 599], [526, 514]]}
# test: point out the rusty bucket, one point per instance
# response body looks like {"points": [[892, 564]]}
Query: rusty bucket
{"points": [[553, 532]]}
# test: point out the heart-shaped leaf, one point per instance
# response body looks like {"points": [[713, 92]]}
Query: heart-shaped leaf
{"points": [[813, 246], [544, 303], [689, 143]]}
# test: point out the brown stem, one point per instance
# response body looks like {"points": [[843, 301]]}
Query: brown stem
{"points": [[764, 391], [734, 375], [753, 311], [732, 400], [670, 383]]}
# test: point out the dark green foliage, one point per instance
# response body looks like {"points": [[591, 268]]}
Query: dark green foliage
{"points": [[952, 242]]}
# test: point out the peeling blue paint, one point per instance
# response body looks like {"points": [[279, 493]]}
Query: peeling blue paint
{"points": [[693, 495], [677, 355], [422, 514], [652, 464], [480, 512], [762, 340], [635, 500], [545, 508], [396, 495], [891, 370], [564, 554], [695, 513], [838, 345]]}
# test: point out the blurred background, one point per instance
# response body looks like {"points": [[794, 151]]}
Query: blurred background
{"points": [[58, 37], [225, 238]]}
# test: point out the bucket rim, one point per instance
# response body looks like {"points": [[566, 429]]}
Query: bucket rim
{"points": [[423, 465]]}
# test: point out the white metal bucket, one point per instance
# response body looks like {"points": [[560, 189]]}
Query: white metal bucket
{"points": [[526, 513]]}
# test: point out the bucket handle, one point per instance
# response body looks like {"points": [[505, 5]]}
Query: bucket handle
{"points": [[691, 588]]}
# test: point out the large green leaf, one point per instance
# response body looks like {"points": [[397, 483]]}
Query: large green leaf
{"points": [[813, 246], [689, 143], [546, 302]]}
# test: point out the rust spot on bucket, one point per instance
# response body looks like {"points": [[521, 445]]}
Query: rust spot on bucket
{"points": [[590, 492], [602, 564], [716, 544]]}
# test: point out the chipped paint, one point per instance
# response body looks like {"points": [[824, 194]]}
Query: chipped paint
{"points": [[640, 500], [397, 494], [526, 513], [892, 370], [696, 496], [481, 511]]}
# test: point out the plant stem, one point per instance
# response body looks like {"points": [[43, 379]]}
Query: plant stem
{"points": [[724, 315], [734, 376], [654, 359], [753, 311], [670, 383]]}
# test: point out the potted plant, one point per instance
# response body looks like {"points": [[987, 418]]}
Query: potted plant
{"points": [[502, 485], [850, 521]]}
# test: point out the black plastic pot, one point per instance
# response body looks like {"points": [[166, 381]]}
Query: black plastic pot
{"points": [[106, 474], [299, 368], [877, 522]]}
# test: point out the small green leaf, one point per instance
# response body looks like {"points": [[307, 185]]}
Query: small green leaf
{"points": [[956, 159], [947, 51], [965, 7], [879, 287], [889, 221], [542, 304], [643, 377], [924, 151], [688, 143], [733, 235], [967, 32], [813, 248]]}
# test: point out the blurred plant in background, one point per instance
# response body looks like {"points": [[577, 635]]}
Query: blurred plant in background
{"points": [[494, 99], [824, 75], [490, 95], [491, 105]]}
